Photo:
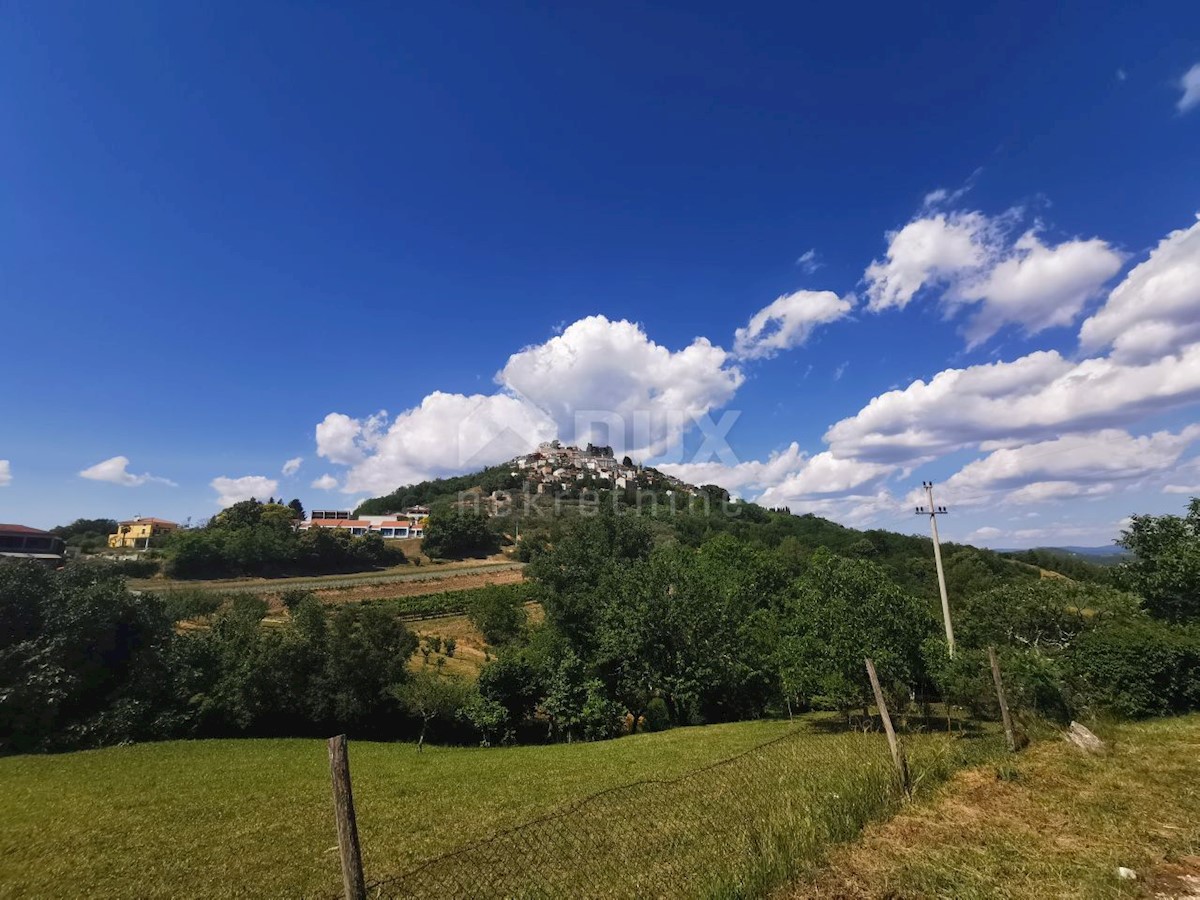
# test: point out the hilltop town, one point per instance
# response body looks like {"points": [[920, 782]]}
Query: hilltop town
{"points": [[557, 469]]}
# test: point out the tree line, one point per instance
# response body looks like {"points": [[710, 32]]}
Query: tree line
{"points": [[642, 629]]}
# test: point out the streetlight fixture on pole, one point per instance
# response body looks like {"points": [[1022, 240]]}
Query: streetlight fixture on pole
{"points": [[933, 512]]}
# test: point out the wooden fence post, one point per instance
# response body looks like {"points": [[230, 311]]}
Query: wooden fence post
{"points": [[897, 753], [347, 828], [1008, 728]]}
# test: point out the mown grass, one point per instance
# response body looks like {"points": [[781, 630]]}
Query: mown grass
{"points": [[1050, 822], [253, 817]]}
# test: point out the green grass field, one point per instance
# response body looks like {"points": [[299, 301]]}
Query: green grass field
{"points": [[253, 817]]}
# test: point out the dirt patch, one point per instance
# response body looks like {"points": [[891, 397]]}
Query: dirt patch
{"points": [[1175, 880]]}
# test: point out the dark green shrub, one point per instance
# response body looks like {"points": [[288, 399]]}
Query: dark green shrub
{"points": [[658, 717], [293, 597], [189, 603], [1137, 669]]}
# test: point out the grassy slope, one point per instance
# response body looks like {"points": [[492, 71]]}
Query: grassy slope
{"points": [[215, 818], [1059, 829], [252, 818]]}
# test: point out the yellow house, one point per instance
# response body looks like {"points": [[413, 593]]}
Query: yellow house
{"points": [[137, 533]]}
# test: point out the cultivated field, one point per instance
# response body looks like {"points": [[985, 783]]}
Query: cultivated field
{"points": [[253, 817]]}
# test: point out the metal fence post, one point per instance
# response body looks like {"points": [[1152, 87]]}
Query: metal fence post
{"points": [[347, 827], [897, 754]]}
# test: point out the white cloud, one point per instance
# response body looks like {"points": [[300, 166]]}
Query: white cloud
{"points": [[969, 256], [234, 490], [1156, 310], [345, 440], [822, 484], [1075, 465], [1191, 490], [5, 473], [292, 466], [1032, 397], [809, 262], [788, 321], [600, 371], [986, 533], [1036, 286], [447, 433], [325, 483], [751, 475], [928, 251], [1190, 85], [115, 471]]}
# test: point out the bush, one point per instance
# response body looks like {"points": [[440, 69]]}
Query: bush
{"points": [[658, 717], [192, 603], [293, 597], [1137, 669]]}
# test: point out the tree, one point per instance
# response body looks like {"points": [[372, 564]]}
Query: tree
{"points": [[498, 611], [459, 534], [1166, 569], [840, 612], [298, 509], [430, 696], [83, 661]]}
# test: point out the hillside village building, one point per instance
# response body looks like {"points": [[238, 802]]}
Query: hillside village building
{"points": [[137, 533], [553, 465]]}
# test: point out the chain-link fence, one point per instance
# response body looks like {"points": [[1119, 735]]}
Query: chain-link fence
{"points": [[731, 828]]}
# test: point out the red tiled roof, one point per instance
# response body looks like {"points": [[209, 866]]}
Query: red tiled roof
{"points": [[22, 529]]}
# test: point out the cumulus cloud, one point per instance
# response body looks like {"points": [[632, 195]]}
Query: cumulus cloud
{"points": [[1032, 397], [607, 382], [1074, 465], [5, 473], [788, 321], [447, 433], [115, 471], [1037, 287], [742, 478], [1190, 85], [292, 466], [325, 483], [974, 262], [1156, 310], [234, 490], [928, 251], [821, 484]]}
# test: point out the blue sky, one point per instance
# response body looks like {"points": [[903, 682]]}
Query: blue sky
{"points": [[225, 226]]}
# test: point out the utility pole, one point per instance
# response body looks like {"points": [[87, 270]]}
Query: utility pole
{"points": [[933, 512]]}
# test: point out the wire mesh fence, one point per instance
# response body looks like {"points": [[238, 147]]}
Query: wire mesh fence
{"points": [[720, 829]]}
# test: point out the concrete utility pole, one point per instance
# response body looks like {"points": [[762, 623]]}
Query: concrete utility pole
{"points": [[933, 512]]}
